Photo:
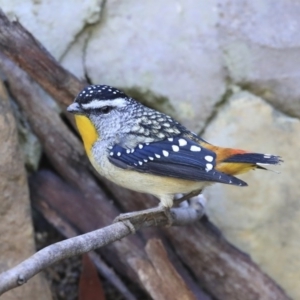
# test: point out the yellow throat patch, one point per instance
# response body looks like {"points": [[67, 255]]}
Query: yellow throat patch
{"points": [[87, 131]]}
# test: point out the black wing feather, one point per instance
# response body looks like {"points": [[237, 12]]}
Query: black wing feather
{"points": [[254, 158], [172, 158]]}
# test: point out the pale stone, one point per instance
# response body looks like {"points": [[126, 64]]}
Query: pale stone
{"points": [[261, 219], [73, 60], [16, 230], [261, 46], [54, 23], [163, 52]]}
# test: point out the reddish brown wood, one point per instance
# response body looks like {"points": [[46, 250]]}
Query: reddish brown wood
{"points": [[90, 286]]}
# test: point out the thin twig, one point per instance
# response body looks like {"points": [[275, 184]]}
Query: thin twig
{"points": [[21, 273]]}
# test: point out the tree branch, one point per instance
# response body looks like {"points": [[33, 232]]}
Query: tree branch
{"points": [[21, 273]]}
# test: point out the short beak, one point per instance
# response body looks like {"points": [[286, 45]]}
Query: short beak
{"points": [[74, 108]]}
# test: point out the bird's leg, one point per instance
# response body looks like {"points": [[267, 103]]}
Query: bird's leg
{"points": [[187, 196], [146, 215]]}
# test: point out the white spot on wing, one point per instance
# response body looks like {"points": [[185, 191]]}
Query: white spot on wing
{"points": [[182, 142], [165, 153], [127, 151], [209, 158], [170, 139], [208, 167], [157, 155], [140, 146], [111, 153], [140, 163], [195, 148], [119, 153], [151, 158], [175, 148]]}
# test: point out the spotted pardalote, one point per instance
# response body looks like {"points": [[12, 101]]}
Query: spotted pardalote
{"points": [[147, 151]]}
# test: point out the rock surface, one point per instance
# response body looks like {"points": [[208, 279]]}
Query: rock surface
{"points": [[74, 58], [175, 67], [262, 219], [16, 229], [261, 47]]}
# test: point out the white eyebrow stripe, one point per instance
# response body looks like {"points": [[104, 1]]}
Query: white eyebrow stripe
{"points": [[118, 102]]}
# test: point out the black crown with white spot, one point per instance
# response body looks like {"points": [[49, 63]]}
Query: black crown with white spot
{"points": [[99, 92]]}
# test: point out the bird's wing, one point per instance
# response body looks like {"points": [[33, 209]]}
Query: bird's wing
{"points": [[177, 157]]}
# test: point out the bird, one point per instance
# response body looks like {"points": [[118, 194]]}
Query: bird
{"points": [[147, 151]]}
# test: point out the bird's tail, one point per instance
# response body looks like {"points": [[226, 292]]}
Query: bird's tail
{"points": [[238, 163], [235, 161]]}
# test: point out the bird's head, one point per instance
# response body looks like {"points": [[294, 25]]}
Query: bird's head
{"points": [[103, 110]]}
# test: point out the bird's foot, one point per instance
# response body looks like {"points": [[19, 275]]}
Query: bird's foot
{"points": [[148, 215]]}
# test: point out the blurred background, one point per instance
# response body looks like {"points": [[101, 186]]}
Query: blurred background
{"points": [[228, 70]]}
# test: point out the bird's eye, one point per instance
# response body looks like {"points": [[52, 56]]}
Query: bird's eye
{"points": [[105, 109]]}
